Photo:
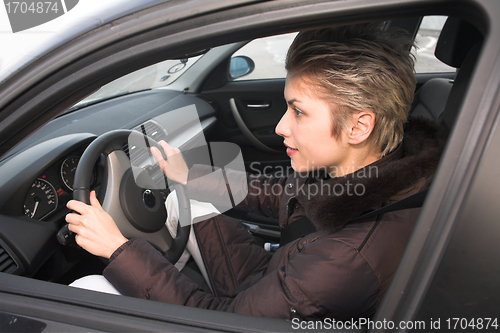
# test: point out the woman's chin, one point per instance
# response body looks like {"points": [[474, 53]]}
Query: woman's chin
{"points": [[300, 167]]}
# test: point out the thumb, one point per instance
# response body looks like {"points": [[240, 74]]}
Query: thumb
{"points": [[93, 200]]}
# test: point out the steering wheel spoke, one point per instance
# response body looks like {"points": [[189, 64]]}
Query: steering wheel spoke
{"points": [[117, 166]]}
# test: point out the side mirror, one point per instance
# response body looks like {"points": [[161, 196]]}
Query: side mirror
{"points": [[240, 66]]}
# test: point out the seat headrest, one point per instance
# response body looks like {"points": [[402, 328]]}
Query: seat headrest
{"points": [[459, 89], [455, 41]]}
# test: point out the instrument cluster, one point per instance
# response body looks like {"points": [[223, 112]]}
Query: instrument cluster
{"points": [[52, 189]]}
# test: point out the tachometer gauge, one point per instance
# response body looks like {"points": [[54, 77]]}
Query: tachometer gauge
{"points": [[40, 200], [68, 170]]}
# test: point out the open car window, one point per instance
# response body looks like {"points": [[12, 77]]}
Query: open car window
{"points": [[268, 55], [426, 40]]}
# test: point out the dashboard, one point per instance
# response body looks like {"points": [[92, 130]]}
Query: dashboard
{"points": [[37, 176]]}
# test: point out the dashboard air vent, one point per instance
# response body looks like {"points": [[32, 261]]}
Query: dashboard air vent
{"points": [[153, 130], [125, 149], [7, 264], [138, 154]]}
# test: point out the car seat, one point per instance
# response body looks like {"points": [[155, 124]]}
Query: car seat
{"points": [[439, 99]]}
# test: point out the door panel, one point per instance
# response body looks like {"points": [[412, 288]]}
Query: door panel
{"points": [[260, 104]]}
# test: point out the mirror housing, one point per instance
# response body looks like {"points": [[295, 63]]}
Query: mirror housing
{"points": [[240, 66]]}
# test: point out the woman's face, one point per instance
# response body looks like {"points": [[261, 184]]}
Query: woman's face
{"points": [[307, 131]]}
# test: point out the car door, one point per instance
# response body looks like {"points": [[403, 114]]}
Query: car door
{"points": [[88, 310]]}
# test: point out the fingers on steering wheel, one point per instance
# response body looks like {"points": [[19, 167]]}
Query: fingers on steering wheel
{"points": [[72, 227], [158, 157], [168, 149], [77, 206], [93, 200], [71, 219]]}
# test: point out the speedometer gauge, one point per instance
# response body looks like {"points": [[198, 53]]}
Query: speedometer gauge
{"points": [[40, 200]]}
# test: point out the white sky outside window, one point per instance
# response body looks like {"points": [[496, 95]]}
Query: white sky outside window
{"points": [[17, 46]]}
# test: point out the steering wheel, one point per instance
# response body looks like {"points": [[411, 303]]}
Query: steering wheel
{"points": [[138, 211]]}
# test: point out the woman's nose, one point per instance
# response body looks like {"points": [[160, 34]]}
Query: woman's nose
{"points": [[283, 128]]}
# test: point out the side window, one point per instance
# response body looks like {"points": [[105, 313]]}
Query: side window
{"points": [[268, 54], [426, 39]]}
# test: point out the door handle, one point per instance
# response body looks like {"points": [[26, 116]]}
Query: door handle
{"points": [[246, 131], [258, 106]]}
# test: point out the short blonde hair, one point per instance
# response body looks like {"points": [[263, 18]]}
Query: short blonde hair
{"points": [[359, 67]]}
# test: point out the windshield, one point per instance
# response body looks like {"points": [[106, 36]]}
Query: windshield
{"points": [[158, 75], [155, 76]]}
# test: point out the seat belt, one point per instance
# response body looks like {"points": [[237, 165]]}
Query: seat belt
{"points": [[299, 228], [303, 226], [413, 201]]}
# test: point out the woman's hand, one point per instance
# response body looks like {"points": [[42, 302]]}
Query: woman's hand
{"points": [[96, 231], [174, 167]]}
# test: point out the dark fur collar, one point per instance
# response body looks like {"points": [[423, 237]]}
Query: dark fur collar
{"points": [[416, 159]]}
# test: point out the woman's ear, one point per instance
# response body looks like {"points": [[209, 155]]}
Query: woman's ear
{"points": [[361, 127]]}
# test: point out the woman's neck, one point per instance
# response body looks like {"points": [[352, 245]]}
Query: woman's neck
{"points": [[356, 161]]}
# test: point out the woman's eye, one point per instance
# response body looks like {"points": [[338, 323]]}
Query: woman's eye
{"points": [[297, 112]]}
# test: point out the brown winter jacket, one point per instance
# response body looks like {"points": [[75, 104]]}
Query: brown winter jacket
{"points": [[341, 271]]}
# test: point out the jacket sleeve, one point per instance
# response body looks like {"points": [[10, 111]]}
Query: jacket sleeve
{"points": [[227, 188], [313, 283]]}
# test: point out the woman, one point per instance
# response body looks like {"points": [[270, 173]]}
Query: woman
{"points": [[348, 91]]}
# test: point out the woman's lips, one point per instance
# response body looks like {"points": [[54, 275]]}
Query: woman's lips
{"points": [[290, 151]]}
